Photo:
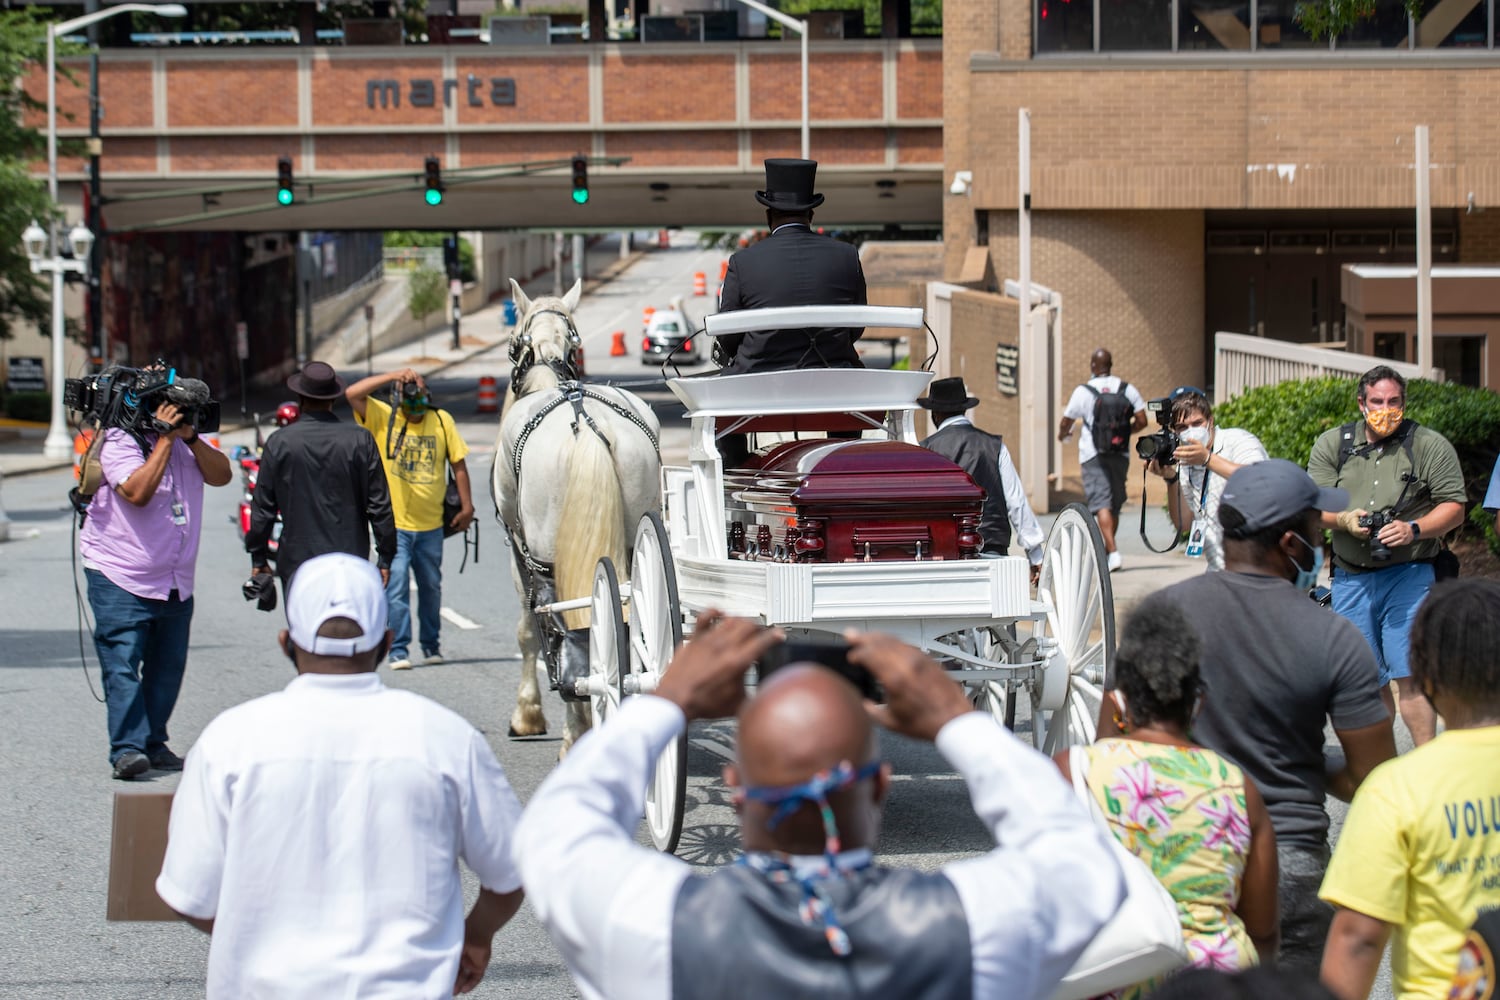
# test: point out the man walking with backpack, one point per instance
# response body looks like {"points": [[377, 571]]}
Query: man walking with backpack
{"points": [[1111, 410]]}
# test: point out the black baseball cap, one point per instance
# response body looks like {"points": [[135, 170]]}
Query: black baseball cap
{"points": [[1269, 492]]}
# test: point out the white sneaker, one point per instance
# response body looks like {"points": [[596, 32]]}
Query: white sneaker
{"points": [[401, 664], [1114, 561], [434, 658]]}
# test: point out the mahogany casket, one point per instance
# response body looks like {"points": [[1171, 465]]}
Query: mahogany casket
{"points": [[851, 501]]}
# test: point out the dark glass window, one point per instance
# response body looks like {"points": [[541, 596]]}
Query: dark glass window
{"points": [[1471, 31], [1135, 25], [1279, 31], [1385, 29], [1065, 25], [1213, 24]]}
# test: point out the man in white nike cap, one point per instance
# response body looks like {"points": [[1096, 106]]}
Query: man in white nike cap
{"points": [[317, 831]]}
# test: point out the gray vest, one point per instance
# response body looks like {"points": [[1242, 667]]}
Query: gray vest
{"points": [[977, 452], [738, 934]]}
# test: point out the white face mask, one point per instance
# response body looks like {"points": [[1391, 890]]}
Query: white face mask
{"points": [[1197, 435]]}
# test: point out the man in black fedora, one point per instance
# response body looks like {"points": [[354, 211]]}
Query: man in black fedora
{"points": [[326, 479], [794, 266], [1006, 515]]}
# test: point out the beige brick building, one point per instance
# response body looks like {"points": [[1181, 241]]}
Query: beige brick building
{"points": [[1198, 166]]}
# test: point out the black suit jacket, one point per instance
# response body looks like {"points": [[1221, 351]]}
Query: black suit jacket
{"points": [[326, 478], [792, 267]]}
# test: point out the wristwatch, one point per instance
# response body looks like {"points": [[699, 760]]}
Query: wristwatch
{"points": [[1416, 530]]}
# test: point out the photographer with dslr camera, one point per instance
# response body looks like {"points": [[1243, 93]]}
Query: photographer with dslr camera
{"points": [[1407, 490], [140, 545], [1205, 456]]}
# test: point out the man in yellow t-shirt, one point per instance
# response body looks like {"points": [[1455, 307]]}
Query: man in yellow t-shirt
{"points": [[418, 443], [1419, 856]]}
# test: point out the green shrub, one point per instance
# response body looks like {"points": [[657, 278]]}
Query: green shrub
{"points": [[1290, 416], [35, 406]]}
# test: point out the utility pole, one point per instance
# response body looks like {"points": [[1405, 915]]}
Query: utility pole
{"points": [[94, 220]]}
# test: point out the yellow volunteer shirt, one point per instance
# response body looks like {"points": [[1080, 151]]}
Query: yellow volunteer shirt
{"points": [[1421, 850], [418, 472]]}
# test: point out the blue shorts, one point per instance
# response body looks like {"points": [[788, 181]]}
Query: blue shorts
{"points": [[1382, 604]]}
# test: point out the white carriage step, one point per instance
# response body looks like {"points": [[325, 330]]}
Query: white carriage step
{"points": [[459, 620]]}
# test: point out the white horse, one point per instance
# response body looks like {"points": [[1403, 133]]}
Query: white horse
{"points": [[588, 469]]}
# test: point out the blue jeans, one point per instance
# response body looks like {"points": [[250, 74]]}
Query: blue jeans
{"points": [[142, 646], [419, 554], [1382, 603]]}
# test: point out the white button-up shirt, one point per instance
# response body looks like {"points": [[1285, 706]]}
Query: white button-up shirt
{"points": [[321, 828], [1028, 530], [1032, 903]]}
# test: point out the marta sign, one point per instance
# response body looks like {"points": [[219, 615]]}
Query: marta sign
{"points": [[423, 93]]}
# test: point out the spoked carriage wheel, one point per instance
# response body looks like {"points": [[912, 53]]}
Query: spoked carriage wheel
{"points": [[655, 633], [996, 698], [609, 643], [1075, 584]]}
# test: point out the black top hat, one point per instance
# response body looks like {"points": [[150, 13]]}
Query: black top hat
{"points": [[948, 395], [316, 380], [789, 186]]}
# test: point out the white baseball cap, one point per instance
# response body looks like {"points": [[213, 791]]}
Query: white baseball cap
{"points": [[336, 585]]}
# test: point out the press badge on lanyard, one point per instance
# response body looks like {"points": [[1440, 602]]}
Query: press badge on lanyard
{"points": [[1195, 533], [179, 515]]}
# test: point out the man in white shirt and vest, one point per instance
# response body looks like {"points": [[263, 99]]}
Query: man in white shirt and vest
{"points": [[807, 912], [317, 831]]}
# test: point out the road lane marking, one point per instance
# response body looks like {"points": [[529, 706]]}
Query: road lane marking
{"points": [[457, 619], [714, 747]]}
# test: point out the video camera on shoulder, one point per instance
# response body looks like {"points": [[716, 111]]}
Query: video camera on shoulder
{"points": [[827, 652], [1159, 446], [128, 398]]}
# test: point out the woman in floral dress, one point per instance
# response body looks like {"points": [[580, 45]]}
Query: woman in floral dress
{"points": [[1188, 813]]}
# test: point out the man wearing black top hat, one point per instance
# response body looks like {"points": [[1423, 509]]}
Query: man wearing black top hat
{"points": [[1006, 513], [794, 266], [326, 478]]}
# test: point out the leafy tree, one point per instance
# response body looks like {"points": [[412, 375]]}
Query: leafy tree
{"points": [[24, 297], [1326, 18], [426, 291]]}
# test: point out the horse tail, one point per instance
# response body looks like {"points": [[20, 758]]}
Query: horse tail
{"points": [[591, 521]]}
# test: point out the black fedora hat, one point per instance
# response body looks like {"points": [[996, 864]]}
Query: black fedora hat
{"points": [[316, 380], [789, 185], [948, 395]]}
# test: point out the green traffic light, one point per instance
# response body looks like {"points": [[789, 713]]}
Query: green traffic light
{"points": [[434, 196], [580, 196], [284, 196]]}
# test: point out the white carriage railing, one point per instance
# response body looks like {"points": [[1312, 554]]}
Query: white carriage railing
{"points": [[797, 317], [1242, 363]]}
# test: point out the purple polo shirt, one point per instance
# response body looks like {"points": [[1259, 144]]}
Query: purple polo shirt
{"points": [[139, 549]]}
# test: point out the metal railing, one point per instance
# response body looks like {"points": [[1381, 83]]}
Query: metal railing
{"points": [[1242, 363]]}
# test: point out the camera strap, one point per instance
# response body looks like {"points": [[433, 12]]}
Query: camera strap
{"points": [[1176, 535]]}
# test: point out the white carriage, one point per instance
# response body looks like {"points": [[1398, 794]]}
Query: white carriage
{"points": [[977, 616]]}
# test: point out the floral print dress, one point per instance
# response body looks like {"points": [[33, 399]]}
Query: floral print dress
{"points": [[1182, 811]]}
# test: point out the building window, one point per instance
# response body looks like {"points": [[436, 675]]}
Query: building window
{"points": [[1065, 25], [1208, 25], [1278, 30], [1471, 31], [1388, 28], [1135, 25]]}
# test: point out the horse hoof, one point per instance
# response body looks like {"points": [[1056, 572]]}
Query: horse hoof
{"points": [[516, 734]]}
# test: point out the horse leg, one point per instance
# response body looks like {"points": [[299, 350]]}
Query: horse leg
{"points": [[527, 719], [579, 720]]}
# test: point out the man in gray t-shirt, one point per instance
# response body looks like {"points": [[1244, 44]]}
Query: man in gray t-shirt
{"points": [[1275, 667]]}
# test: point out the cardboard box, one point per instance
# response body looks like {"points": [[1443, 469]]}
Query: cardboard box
{"points": [[138, 844]]}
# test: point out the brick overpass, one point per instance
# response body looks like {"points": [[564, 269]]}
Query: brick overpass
{"points": [[205, 128]]}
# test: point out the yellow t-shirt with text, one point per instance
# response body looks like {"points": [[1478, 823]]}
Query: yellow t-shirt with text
{"points": [[418, 472], [1420, 850]]}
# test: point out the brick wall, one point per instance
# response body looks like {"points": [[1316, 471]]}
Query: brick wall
{"points": [[979, 321], [697, 88], [253, 92], [1479, 237]]}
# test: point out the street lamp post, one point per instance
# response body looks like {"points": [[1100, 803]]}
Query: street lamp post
{"points": [[800, 27], [58, 444]]}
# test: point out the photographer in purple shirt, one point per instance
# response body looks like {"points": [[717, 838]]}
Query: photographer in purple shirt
{"points": [[139, 546]]}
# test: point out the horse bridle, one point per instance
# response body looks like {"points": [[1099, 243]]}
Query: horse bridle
{"points": [[523, 351]]}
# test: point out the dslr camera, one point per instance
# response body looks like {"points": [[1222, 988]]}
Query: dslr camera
{"points": [[1159, 446], [1375, 520], [128, 398]]}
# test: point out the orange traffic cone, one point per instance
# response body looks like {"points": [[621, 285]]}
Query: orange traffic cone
{"points": [[663, 239], [617, 345], [489, 398], [723, 269], [700, 283], [646, 315]]}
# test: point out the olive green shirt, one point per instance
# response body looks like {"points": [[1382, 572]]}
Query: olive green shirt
{"points": [[1374, 481]]}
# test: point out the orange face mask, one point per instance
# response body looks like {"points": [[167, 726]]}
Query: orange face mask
{"points": [[1384, 422]]}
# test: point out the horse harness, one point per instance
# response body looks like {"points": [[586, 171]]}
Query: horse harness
{"points": [[523, 351], [575, 393]]}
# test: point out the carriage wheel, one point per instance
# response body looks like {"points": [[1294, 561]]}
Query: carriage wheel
{"points": [[1065, 697], [609, 643], [655, 634], [997, 698]]}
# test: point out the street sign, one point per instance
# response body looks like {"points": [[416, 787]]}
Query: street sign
{"points": [[369, 313], [456, 287], [26, 375], [242, 341], [1007, 368]]}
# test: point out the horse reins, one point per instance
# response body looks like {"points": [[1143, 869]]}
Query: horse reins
{"points": [[574, 393], [523, 351]]}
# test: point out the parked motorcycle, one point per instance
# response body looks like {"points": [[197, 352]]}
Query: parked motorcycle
{"points": [[249, 462]]}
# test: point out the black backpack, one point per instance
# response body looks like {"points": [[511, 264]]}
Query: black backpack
{"points": [[1113, 414]]}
